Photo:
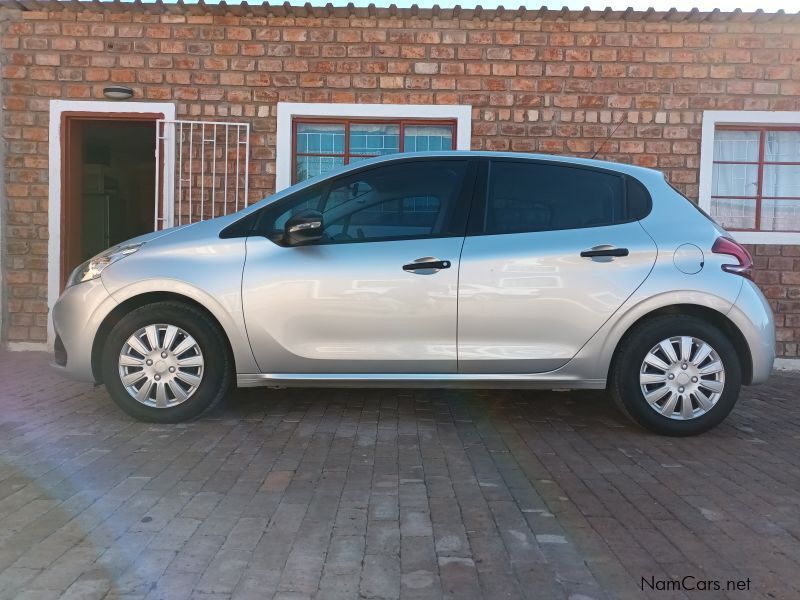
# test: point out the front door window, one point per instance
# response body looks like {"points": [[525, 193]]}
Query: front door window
{"points": [[408, 200]]}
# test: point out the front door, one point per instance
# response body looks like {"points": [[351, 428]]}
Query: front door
{"points": [[378, 293], [556, 250], [109, 181]]}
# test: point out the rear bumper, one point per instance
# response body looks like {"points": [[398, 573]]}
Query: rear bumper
{"points": [[77, 316], [752, 314]]}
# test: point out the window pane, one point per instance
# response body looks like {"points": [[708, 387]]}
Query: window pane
{"points": [[734, 213], [536, 197], [355, 159], [319, 138], [422, 138], [396, 218], [734, 180], [780, 215], [307, 199], [639, 201], [781, 181], [739, 146], [347, 193], [782, 146], [311, 166], [407, 200], [374, 139]]}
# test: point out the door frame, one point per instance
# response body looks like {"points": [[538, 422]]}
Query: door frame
{"points": [[60, 111]]}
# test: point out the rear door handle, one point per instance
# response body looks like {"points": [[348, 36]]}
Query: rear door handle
{"points": [[427, 263], [604, 250]]}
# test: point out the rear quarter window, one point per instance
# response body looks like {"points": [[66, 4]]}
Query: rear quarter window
{"points": [[638, 199]]}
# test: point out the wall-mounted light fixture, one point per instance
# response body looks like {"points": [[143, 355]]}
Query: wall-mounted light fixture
{"points": [[117, 92]]}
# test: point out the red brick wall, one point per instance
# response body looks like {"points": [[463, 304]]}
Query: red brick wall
{"points": [[777, 273], [545, 84]]}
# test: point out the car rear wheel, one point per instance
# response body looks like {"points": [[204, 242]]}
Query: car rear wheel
{"points": [[166, 362], [676, 375]]}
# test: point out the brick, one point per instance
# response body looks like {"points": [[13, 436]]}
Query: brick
{"points": [[575, 73]]}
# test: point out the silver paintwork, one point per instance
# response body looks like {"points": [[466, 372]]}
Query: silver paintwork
{"points": [[360, 311], [520, 310], [682, 377], [161, 365], [506, 291]]}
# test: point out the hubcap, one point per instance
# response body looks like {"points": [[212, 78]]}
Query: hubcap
{"points": [[682, 378], [161, 365]]}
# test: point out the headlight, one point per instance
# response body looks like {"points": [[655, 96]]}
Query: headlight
{"points": [[92, 268]]}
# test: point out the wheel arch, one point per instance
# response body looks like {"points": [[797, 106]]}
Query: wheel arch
{"points": [[137, 301], [699, 311]]}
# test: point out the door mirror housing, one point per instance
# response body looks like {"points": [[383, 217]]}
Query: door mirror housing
{"points": [[303, 228]]}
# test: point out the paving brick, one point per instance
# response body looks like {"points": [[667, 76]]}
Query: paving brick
{"points": [[302, 572], [245, 534], [175, 534], [223, 573], [387, 494], [383, 537], [256, 583], [196, 554], [380, 577], [345, 554], [172, 586]]}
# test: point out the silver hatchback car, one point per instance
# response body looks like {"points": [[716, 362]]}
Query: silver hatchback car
{"points": [[465, 269]]}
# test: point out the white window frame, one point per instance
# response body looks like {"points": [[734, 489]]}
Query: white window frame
{"points": [[713, 118], [288, 111]]}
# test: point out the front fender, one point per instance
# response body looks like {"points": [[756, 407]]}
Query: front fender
{"points": [[227, 310]]}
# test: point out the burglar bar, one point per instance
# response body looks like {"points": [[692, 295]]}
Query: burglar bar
{"points": [[188, 153]]}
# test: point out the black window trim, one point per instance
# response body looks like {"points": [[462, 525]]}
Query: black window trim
{"points": [[457, 220], [477, 222], [474, 203]]}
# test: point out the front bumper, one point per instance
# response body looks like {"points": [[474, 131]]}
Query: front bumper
{"points": [[77, 316], [752, 314]]}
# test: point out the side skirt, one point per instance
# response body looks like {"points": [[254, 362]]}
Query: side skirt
{"points": [[539, 381]]}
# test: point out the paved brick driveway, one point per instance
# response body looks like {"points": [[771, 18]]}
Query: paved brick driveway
{"points": [[387, 494]]}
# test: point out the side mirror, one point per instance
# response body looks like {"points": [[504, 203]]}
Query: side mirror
{"points": [[303, 228]]}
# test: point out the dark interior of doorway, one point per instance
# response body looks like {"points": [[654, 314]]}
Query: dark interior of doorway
{"points": [[111, 185]]}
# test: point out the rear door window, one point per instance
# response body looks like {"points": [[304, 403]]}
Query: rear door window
{"points": [[530, 196]]}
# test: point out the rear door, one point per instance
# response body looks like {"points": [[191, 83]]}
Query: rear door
{"points": [[552, 251]]}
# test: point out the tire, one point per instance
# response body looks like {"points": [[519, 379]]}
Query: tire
{"points": [[207, 359], [630, 373]]}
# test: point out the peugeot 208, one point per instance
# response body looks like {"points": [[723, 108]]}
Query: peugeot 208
{"points": [[437, 269]]}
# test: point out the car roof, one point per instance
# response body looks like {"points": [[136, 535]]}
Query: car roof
{"points": [[642, 173], [567, 160]]}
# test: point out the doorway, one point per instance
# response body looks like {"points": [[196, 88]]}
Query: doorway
{"points": [[109, 175]]}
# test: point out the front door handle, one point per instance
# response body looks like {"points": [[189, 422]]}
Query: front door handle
{"points": [[604, 251], [426, 265]]}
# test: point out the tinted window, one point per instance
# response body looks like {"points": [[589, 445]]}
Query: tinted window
{"points": [[412, 216], [542, 197], [638, 200], [396, 201], [307, 199]]}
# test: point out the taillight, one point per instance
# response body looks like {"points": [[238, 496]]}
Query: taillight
{"points": [[725, 245]]}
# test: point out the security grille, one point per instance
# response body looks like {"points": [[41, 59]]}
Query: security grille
{"points": [[204, 172]]}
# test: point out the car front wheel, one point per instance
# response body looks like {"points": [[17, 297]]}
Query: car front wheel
{"points": [[676, 375], [166, 362]]}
